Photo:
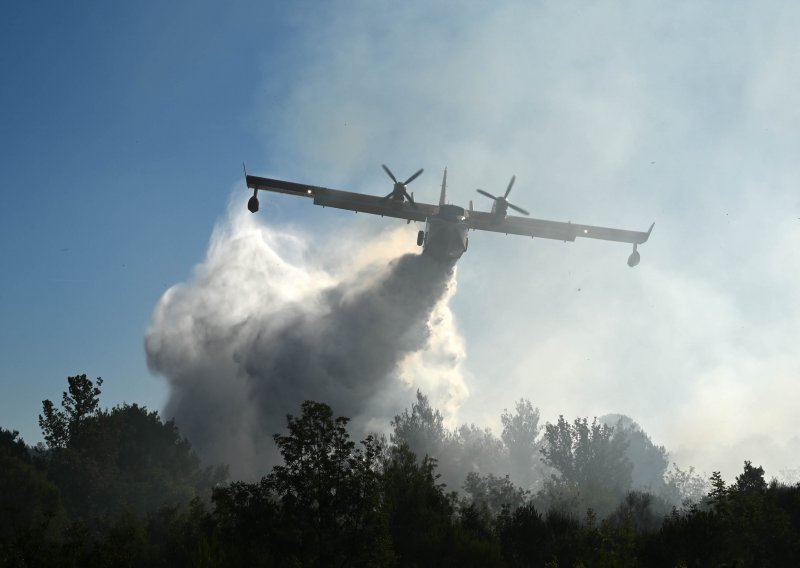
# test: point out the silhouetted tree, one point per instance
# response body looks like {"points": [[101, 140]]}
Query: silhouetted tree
{"points": [[13, 445], [756, 525], [418, 510], [121, 487], [249, 525], [751, 479], [330, 491], [523, 535], [31, 515], [719, 490], [79, 404], [104, 462]]}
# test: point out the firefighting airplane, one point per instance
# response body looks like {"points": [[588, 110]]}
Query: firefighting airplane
{"points": [[446, 226]]}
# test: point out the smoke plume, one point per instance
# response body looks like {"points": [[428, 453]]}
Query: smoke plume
{"points": [[261, 326]]}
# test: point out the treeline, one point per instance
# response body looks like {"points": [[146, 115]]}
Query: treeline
{"points": [[120, 487]]}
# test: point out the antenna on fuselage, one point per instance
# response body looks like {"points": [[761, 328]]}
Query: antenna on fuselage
{"points": [[443, 195]]}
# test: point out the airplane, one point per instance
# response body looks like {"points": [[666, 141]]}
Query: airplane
{"points": [[445, 236]]}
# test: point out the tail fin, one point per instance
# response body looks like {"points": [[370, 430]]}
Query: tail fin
{"points": [[443, 195]]}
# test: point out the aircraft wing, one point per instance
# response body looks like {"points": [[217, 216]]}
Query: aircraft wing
{"points": [[551, 229], [350, 200]]}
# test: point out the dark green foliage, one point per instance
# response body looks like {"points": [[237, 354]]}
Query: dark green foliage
{"points": [[523, 536], [63, 427], [125, 459], [244, 513], [13, 446], [31, 514], [529, 538], [121, 488], [417, 509], [719, 491], [329, 491], [752, 479], [749, 524], [111, 470], [128, 459]]}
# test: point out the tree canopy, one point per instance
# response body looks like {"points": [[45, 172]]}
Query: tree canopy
{"points": [[120, 486]]}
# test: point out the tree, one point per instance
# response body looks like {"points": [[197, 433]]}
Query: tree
{"points": [[248, 524], [751, 479], [422, 429], [418, 511], [329, 491], [473, 449], [31, 514], [719, 491], [684, 486], [523, 536], [648, 460], [521, 437], [490, 494], [15, 447], [104, 461], [592, 463], [63, 427], [642, 511]]}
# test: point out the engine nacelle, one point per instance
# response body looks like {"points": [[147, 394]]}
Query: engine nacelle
{"points": [[252, 204], [634, 258]]}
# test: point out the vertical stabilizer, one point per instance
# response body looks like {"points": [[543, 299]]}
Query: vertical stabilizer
{"points": [[443, 195]]}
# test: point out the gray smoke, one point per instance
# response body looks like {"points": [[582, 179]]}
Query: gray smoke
{"points": [[262, 326]]}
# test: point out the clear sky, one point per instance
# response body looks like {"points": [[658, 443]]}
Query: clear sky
{"points": [[123, 128]]}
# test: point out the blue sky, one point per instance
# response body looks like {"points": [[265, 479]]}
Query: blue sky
{"points": [[124, 128]]}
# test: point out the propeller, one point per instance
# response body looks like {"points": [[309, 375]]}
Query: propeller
{"points": [[399, 191], [501, 203]]}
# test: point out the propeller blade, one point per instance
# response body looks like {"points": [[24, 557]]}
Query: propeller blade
{"points": [[486, 193], [412, 178], [520, 209], [389, 172], [510, 184], [410, 199], [388, 195]]}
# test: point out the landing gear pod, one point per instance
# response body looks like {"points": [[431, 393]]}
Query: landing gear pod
{"points": [[634, 258], [252, 204]]}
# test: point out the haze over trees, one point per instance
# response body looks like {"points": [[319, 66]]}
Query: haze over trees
{"points": [[120, 486]]}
